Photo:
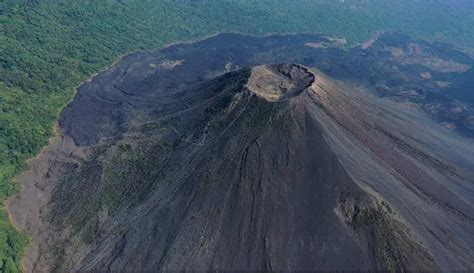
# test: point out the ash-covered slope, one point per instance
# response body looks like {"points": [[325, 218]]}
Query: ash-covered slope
{"points": [[277, 167], [199, 157]]}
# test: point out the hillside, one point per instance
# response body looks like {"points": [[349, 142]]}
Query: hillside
{"points": [[201, 156], [48, 47]]}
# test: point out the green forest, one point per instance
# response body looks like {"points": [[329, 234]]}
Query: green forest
{"points": [[48, 47]]}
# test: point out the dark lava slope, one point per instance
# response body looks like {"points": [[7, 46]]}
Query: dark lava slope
{"points": [[197, 157], [433, 78]]}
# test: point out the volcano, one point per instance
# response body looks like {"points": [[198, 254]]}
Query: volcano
{"points": [[174, 164]]}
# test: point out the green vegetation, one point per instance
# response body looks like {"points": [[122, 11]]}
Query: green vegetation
{"points": [[116, 178], [129, 175], [363, 217], [47, 47], [11, 245]]}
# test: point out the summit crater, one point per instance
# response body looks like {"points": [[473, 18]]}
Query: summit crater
{"points": [[279, 81]]}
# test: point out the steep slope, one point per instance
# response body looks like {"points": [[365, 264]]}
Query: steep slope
{"points": [[277, 167], [160, 126]]}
